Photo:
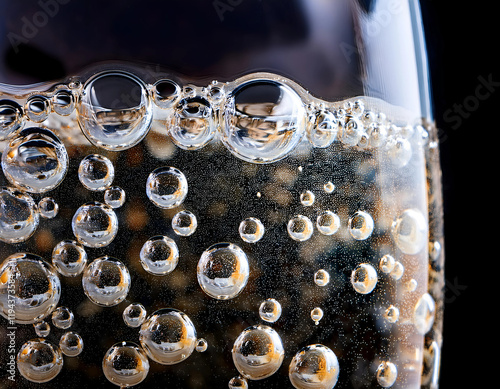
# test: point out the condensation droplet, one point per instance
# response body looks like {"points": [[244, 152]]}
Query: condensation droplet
{"points": [[71, 344], [114, 110], [168, 336], [134, 315], [201, 345], [327, 223], [423, 314], [114, 197], [184, 223], [96, 172], [387, 263], [38, 360], [223, 271], [307, 198], [391, 314], [32, 283], [314, 367], [166, 187], [411, 285], [258, 352], [125, 364], [18, 215], [159, 255], [42, 329], [62, 318], [316, 315], [69, 258], [106, 281], [95, 224], [238, 382], [364, 278], [409, 231], [264, 120], [11, 118], [361, 225], [48, 208], [398, 270], [300, 228], [270, 310], [251, 230], [387, 373], [321, 277], [35, 160]]}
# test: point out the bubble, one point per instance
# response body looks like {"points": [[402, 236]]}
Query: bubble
{"points": [[238, 382], [361, 225], [35, 160], [377, 134], [223, 271], [106, 281], [423, 314], [35, 284], [71, 344], [316, 315], [184, 223], [307, 198], [411, 285], [159, 255], [63, 102], [114, 197], [387, 263], [270, 310], [409, 231], [300, 228], [168, 336], [351, 131], [251, 230], [114, 111], [398, 270], [323, 129], [42, 329], [264, 120], [193, 124], [96, 172], [258, 352], [69, 258], [364, 278], [434, 250], [11, 118], [329, 187], [48, 208], [399, 151], [166, 187], [95, 225], [391, 314], [62, 318], [39, 361], [201, 345], [387, 373], [125, 364], [314, 367], [327, 223], [321, 277], [18, 216], [134, 315], [37, 108], [165, 93]]}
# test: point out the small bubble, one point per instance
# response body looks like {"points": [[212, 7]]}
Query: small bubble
{"points": [[134, 315], [387, 263], [329, 187], [307, 198], [434, 250], [95, 225], [300, 228], [399, 151], [69, 258], [327, 223], [270, 310], [11, 118], [351, 131], [377, 134], [423, 314], [62, 318], [411, 285], [398, 270], [391, 314], [125, 364], [96, 172], [159, 255], [42, 329], [238, 382], [251, 230], [316, 315], [201, 345], [114, 197], [71, 344], [48, 208], [18, 217], [184, 223], [165, 93], [364, 278], [321, 277], [315, 366], [361, 225], [39, 361], [166, 187], [322, 129], [259, 195], [386, 374], [63, 102], [37, 108]]}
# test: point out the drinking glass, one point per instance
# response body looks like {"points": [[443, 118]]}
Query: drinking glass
{"points": [[218, 194]]}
